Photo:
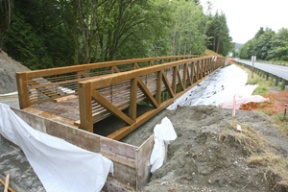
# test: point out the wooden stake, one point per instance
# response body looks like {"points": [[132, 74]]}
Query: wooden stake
{"points": [[7, 183]]}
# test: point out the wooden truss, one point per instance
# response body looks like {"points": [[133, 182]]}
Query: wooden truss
{"points": [[165, 77]]}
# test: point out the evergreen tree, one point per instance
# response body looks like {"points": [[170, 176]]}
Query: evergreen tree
{"points": [[217, 32]]}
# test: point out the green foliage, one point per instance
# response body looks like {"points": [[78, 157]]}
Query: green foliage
{"points": [[267, 45], [24, 44], [188, 30], [54, 33], [262, 85], [217, 32], [6, 7], [38, 38], [279, 46]]}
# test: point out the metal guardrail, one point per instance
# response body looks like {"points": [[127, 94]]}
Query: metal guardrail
{"points": [[175, 78], [49, 84], [265, 74]]}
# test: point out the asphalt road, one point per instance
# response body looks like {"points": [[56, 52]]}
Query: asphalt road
{"points": [[278, 70]]}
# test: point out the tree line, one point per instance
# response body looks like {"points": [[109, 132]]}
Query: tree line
{"points": [[43, 34], [267, 45]]}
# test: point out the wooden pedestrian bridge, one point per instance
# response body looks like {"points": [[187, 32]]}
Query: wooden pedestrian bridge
{"points": [[82, 95]]}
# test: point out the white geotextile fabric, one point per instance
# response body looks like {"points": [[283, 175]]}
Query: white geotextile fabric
{"points": [[219, 90], [163, 134], [59, 165]]}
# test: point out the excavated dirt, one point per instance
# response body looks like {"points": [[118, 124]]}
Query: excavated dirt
{"points": [[208, 155], [8, 68]]}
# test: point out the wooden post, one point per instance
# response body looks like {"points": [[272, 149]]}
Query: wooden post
{"points": [[23, 91], [158, 86], [85, 106], [7, 183], [192, 72], [185, 69], [133, 99], [174, 81]]}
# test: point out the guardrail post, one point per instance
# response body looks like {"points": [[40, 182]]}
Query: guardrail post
{"points": [[23, 91], [283, 85], [276, 80], [85, 106], [267, 76]]}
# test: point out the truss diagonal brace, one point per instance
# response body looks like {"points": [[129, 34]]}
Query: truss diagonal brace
{"points": [[114, 110], [167, 85], [147, 93]]}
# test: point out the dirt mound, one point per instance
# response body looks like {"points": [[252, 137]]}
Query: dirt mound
{"points": [[276, 104], [8, 68], [210, 155]]}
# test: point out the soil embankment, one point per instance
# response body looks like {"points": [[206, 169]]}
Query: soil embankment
{"points": [[8, 69], [210, 155]]}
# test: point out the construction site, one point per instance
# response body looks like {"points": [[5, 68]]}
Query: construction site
{"points": [[111, 109]]}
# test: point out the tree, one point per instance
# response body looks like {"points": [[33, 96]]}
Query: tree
{"points": [[6, 9], [38, 38], [44, 34], [188, 30], [260, 45], [279, 46], [217, 32]]}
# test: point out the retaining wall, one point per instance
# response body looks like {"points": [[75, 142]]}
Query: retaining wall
{"points": [[131, 163]]}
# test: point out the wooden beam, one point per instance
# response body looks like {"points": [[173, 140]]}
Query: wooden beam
{"points": [[133, 99], [174, 79], [111, 108], [185, 75], [192, 73], [115, 68], [85, 107], [23, 91], [159, 86], [179, 79], [104, 81], [9, 189], [81, 67], [167, 85], [147, 93]]}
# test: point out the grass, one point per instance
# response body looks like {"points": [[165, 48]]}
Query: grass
{"points": [[262, 155], [263, 85], [276, 62]]}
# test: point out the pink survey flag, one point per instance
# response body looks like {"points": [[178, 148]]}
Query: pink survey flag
{"points": [[234, 107]]}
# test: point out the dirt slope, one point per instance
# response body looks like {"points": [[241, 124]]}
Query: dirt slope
{"points": [[8, 68], [209, 155]]}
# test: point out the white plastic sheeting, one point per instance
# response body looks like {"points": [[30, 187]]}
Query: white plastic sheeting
{"points": [[240, 100], [218, 89], [59, 165], [164, 133], [8, 94]]}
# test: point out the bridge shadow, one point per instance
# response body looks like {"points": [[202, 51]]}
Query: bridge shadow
{"points": [[111, 124]]}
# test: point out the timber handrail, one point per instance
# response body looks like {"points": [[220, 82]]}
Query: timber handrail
{"points": [[183, 73], [48, 84]]}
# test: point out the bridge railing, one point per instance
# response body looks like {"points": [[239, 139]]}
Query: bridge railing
{"points": [[49, 84], [149, 83]]}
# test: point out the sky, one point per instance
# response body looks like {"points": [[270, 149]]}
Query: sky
{"points": [[245, 17]]}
